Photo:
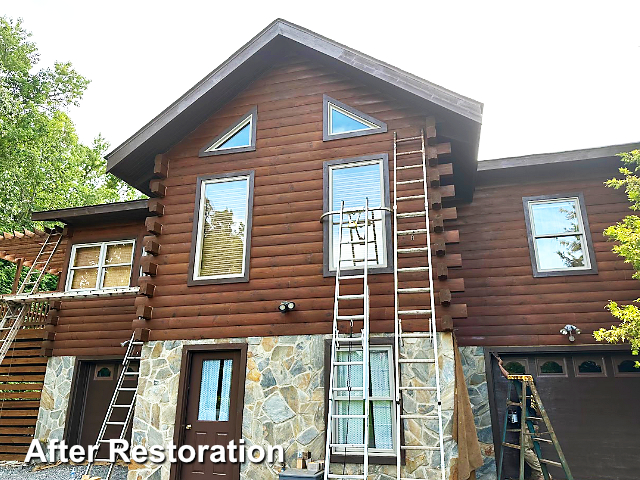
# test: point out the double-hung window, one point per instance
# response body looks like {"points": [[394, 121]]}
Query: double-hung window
{"points": [[100, 265], [381, 412], [354, 181], [222, 229], [559, 237]]}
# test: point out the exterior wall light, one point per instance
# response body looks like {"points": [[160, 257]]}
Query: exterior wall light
{"points": [[287, 306], [570, 330]]}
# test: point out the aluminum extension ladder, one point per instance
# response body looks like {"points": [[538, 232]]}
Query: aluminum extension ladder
{"points": [[410, 176], [523, 384], [351, 220], [132, 353], [15, 310]]}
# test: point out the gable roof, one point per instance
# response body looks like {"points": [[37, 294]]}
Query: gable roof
{"points": [[132, 161]]}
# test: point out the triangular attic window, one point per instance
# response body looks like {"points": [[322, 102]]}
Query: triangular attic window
{"points": [[343, 121], [240, 137]]}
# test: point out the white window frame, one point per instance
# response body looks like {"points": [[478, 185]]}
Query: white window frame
{"points": [[101, 264], [580, 233], [216, 146], [335, 218], [390, 397], [198, 252]]}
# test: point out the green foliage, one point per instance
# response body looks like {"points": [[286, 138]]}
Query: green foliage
{"points": [[43, 165], [8, 272], [627, 234]]}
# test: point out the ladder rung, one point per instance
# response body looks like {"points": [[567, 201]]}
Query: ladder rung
{"points": [[350, 317], [356, 242], [416, 416], [345, 389], [418, 447], [534, 418], [414, 312], [411, 152], [408, 139], [511, 445], [349, 363], [127, 389], [414, 269], [410, 197], [348, 416], [415, 335], [121, 406], [414, 290], [354, 260], [407, 182], [416, 360], [351, 277], [417, 231], [538, 439], [418, 388], [138, 343], [409, 166], [347, 445], [134, 358], [411, 214], [359, 296], [132, 373], [115, 423], [357, 339]]}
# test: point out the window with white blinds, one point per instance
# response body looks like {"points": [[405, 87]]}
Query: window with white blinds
{"points": [[223, 229], [100, 265], [354, 183]]}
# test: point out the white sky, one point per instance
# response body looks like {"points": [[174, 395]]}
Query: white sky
{"points": [[553, 76]]}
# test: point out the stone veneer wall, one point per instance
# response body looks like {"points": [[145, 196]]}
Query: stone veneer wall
{"points": [[54, 400], [473, 365], [284, 401]]}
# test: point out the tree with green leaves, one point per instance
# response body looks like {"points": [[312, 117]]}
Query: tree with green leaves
{"points": [[627, 234], [43, 165]]}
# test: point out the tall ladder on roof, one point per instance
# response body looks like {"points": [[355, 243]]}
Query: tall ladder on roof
{"points": [[356, 347], [412, 285], [16, 311], [132, 353], [528, 397]]}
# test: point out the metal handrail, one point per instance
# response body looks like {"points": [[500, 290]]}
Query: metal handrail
{"points": [[355, 210]]}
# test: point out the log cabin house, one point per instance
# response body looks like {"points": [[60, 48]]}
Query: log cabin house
{"points": [[239, 172]]}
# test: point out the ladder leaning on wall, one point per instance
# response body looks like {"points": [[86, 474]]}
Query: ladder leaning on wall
{"points": [[350, 351], [414, 299], [17, 308]]}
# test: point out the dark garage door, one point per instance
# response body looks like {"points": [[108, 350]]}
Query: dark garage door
{"points": [[593, 402]]}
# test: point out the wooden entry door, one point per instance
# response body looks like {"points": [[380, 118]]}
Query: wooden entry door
{"points": [[213, 411]]}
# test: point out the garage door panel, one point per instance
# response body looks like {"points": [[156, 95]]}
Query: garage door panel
{"points": [[594, 413]]}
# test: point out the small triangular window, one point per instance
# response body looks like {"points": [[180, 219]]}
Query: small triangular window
{"points": [[343, 121], [240, 137]]}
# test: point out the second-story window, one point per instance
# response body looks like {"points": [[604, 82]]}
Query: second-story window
{"points": [[354, 181], [559, 237], [222, 229], [100, 265]]}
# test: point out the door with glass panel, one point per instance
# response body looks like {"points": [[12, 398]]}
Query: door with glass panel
{"points": [[212, 410]]}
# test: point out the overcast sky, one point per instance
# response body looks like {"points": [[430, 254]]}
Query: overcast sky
{"points": [[553, 76]]}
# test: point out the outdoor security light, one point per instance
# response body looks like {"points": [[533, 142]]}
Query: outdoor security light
{"points": [[287, 306], [570, 330]]}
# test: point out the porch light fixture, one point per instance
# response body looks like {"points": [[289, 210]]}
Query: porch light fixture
{"points": [[287, 306], [570, 330]]}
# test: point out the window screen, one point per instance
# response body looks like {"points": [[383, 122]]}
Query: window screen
{"points": [[223, 228], [354, 184]]}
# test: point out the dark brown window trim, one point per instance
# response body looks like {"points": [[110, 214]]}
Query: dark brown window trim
{"points": [[326, 271], [196, 225], [373, 459], [593, 270], [249, 148], [326, 136], [185, 373]]}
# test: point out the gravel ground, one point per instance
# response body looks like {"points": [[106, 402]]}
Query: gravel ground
{"points": [[19, 471]]}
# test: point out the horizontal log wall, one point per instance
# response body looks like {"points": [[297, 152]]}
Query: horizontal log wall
{"points": [[96, 326], [506, 304], [287, 237]]}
